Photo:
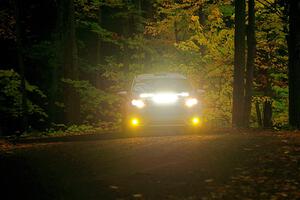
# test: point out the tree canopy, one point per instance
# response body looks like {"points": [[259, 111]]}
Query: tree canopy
{"points": [[76, 55]]}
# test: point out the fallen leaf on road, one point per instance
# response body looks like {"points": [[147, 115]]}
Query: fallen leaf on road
{"points": [[137, 195], [113, 187]]}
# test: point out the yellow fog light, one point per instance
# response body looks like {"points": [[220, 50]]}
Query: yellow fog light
{"points": [[196, 121], [135, 121]]}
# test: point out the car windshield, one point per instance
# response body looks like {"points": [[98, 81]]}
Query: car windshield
{"points": [[161, 84]]}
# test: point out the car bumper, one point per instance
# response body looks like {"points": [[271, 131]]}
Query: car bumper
{"points": [[165, 116]]}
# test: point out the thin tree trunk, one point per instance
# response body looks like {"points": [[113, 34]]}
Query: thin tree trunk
{"points": [[24, 108], [71, 98], [250, 62], [267, 112], [267, 121], [258, 114], [98, 56], [294, 63], [56, 73], [98, 45], [138, 23], [239, 64], [126, 29]]}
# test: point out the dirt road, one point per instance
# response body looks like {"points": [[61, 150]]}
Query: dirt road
{"points": [[204, 166]]}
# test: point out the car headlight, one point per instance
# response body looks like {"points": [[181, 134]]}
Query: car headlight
{"points": [[190, 102], [165, 98], [138, 103]]}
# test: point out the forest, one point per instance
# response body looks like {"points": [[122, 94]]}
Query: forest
{"points": [[63, 62]]}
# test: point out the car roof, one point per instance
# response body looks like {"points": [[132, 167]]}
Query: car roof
{"points": [[159, 76]]}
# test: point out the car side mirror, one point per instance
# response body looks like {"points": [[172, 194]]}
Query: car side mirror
{"points": [[123, 93]]}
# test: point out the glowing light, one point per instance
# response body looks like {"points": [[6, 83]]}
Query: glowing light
{"points": [[184, 94], [191, 102], [146, 95], [196, 121], [135, 121], [165, 98], [138, 103]]}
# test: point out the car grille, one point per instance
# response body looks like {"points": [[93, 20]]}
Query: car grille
{"points": [[165, 113]]}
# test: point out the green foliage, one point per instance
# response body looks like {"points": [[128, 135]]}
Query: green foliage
{"points": [[10, 96], [118, 39], [104, 34], [271, 83], [79, 129], [95, 104]]}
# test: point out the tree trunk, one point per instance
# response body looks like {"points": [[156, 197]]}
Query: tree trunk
{"points": [[98, 56], [98, 44], [71, 98], [126, 30], [258, 114], [267, 121], [294, 63], [250, 62], [24, 108], [139, 22], [239, 64], [267, 112], [56, 72]]}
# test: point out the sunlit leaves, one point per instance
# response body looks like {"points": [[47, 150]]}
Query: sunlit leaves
{"points": [[213, 42]]}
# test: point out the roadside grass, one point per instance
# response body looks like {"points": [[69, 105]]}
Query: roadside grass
{"points": [[58, 130]]}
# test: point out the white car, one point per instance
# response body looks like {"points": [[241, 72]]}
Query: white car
{"points": [[164, 99]]}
